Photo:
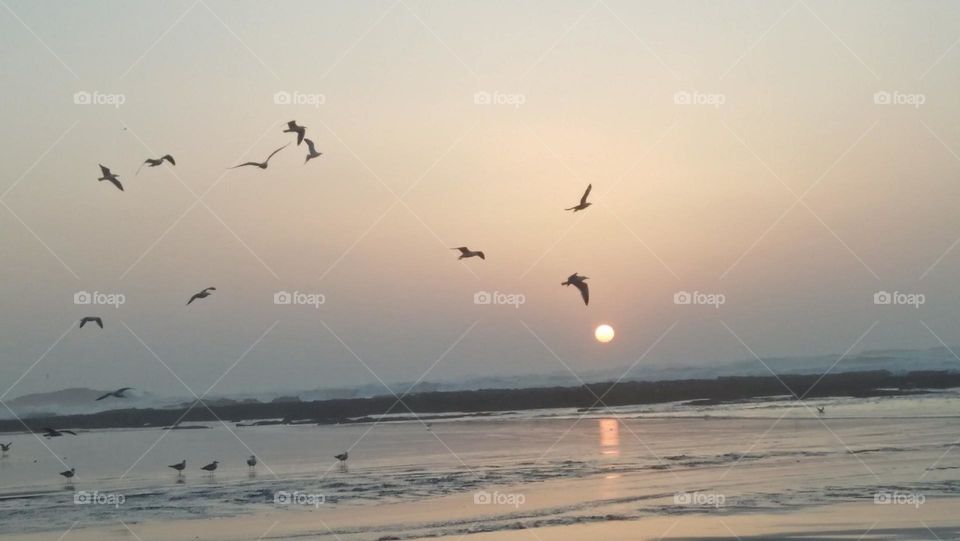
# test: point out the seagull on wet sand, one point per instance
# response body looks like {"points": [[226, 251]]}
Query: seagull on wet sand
{"points": [[583, 200], [579, 282], [91, 319], [107, 175], [154, 162], [211, 467], [467, 252], [69, 473], [54, 433], [312, 151], [292, 127], [180, 466], [202, 295], [116, 394], [264, 163]]}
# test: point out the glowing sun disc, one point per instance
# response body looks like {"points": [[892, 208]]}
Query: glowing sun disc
{"points": [[604, 333]]}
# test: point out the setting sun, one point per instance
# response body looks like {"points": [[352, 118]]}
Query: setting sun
{"points": [[604, 333]]}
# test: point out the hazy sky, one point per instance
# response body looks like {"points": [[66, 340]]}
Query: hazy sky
{"points": [[687, 196]]}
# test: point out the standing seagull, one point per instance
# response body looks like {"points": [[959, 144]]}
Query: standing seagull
{"points": [[211, 467], [252, 462], [342, 457], [467, 252], [116, 394], [263, 164], [91, 319], [69, 474], [153, 162], [583, 200], [578, 282], [107, 175], [292, 127], [5, 447], [202, 295], [180, 466], [312, 151]]}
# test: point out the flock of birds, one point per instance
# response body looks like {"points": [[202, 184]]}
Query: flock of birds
{"points": [[575, 279]]}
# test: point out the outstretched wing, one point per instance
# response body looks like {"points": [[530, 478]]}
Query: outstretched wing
{"points": [[463, 249], [102, 397], [71, 432], [169, 158], [275, 151], [116, 183], [105, 171], [193, 298], [583, 200], [246, 163], [313, 149], [584, 291]]}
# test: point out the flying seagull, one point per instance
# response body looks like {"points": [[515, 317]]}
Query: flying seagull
{"points": [[5, 447], [467, 252], [262, 165], [821, 410], [180, 466], [202, 295], [583, 200], [292, 127], [107, 175], [579, 282], [312, 151], [116, 394], [153, 162], [210, 467], [252, 462], [342, 457], [91, 319], [53, 433]]}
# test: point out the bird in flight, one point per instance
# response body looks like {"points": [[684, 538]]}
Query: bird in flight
{"points": [[342, 457], [583, 200], [312, 151], [91, 319], [180, 466], [154, 162], [821, 410], [202, 295], [467, 252], [262, 165], [107, 175], [5, 447], [292, 127], [54, 433], [580, 283], [116, 394]]}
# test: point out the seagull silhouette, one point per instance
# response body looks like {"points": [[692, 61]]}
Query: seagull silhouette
{"points": [[53, 433], [292, 127], [312, 151], [202, 295], [91, 319], [116, 394], [153, 162], [821, 410], [210, 467], [583, 200], [467, 252], [180, 466], [579, 282], [107, 175], [262, 165]]}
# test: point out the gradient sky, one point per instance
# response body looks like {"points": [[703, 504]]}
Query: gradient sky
{"points": [[686, 197]]}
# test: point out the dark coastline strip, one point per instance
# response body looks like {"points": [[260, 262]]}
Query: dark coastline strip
{"points": [[702, 391]]}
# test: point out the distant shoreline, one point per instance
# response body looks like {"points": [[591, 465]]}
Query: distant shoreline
{"points": [[697, 392]]}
